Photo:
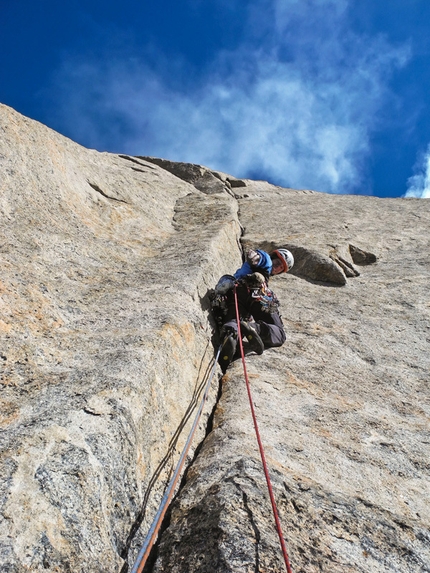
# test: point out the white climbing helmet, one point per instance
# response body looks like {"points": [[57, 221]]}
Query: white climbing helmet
{"points": [[285, 256]]}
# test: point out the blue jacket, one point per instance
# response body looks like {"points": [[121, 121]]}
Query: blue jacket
{"points": [[264, 266]]}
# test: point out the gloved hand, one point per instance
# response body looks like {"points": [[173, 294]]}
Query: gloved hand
{"points": [[254, 280], [225, 283], [253, 258]]}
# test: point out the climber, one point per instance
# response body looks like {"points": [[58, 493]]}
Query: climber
{"points": [[260, 322]]}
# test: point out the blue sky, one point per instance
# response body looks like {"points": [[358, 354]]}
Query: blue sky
{"points": [[331, 95]]}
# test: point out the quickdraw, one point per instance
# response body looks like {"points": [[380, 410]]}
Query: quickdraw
{"points": [[267, 298]]}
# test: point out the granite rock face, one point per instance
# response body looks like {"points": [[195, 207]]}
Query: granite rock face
{"points": [[343, 406], [106, 344]]}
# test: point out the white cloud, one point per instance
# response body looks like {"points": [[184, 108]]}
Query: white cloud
{"points": [[419, 184], [298, 110]]}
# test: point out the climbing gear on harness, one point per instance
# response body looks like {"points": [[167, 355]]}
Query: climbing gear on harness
{"points": [[286, 258], [259, 291], [168, 494], [260, 444], [218, 305], [266, 297], [228, 349], [251, 334]]}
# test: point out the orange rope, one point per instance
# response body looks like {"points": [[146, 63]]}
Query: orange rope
{"points": [[260, 444]]}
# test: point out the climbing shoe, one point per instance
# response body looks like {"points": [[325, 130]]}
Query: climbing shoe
{"points": [[228, 350], [250, 333]]}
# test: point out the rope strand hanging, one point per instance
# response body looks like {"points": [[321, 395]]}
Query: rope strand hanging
{"points": [[156, 523], [260, 444]]}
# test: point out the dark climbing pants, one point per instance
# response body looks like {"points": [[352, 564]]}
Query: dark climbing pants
{"points": [[268, 324]]}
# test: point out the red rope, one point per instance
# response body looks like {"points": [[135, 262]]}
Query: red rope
{"points": [[260, 444]]}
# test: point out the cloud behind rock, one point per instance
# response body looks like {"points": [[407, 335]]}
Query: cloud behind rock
{"points": [[296, 102], [419, 184]]}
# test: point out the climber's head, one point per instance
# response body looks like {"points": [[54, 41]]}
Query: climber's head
{"points": [[282, 261]]}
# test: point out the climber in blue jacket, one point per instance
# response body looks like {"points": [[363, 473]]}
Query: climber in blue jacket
{"points": [[260, 321], [279, 261]]}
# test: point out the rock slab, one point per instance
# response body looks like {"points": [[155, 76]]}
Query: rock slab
{"points": [[106, 344], [343, 406]]}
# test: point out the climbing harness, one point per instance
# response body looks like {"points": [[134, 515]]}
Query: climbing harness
{"points": [[256, 290], [168, 494], [266, 297], [260, 444]]}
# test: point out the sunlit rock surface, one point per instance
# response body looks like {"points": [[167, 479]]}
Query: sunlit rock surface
{"points": [[106, 341], [343, 407]]}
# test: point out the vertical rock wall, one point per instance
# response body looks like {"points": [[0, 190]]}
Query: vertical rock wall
{"points": [[343, 406], [105, 342]]}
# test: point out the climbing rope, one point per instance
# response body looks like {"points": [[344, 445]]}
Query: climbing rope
{"points": [[156, 524], [260, 444]]}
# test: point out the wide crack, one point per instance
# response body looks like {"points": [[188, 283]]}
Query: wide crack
{"points": [[166, 521], [209, 426]]}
